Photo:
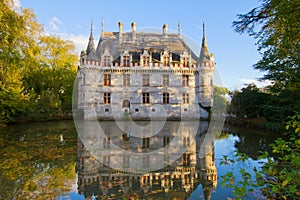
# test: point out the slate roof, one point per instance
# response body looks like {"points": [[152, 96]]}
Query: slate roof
{"points": [[154, 42]]}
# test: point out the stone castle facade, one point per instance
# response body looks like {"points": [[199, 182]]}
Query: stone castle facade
{"points": [[144, 75]]}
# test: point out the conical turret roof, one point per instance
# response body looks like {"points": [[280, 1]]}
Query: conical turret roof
{"points": [[204, 53], [91, 45]]}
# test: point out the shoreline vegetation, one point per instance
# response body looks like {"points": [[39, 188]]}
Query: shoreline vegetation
{"points": [[256, 123]]}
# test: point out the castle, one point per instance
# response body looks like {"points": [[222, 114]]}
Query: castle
{"points": [[144, 75]]}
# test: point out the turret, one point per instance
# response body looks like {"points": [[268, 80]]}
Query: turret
{"points": [[205, 67], [91, 45]]}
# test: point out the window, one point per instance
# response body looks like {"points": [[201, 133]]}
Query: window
{"points": [[126, 61], [145, 61], [107, 79], [146, 79], [186, 141], [106, 98], [185, 159], [106, 142], [185, 80], [83, 79], [166, 140], [165, 80], [185, 98], [126, 104], [126, 79], [146, 180], [146, 143], [187, 179], [185, 62], [165, 97], [166, 61], [106, 61], [146, 98], [125, 137]]}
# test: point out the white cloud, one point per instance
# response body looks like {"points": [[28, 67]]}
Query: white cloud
{"points": [[258, 83], [54, 23], [80, 41], [15, 4]]}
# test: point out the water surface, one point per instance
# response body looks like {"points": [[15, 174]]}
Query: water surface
{"points": [[48, 161]]}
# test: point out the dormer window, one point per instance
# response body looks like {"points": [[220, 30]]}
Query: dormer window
{"points": [[145, 60], [106, 61], [106, 58], [166, 60], [185, 62], [126, 61]]}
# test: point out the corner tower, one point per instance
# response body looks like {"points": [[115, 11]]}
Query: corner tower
{"points": [[204, 77]]}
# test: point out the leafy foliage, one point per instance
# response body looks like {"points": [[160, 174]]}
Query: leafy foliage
{"points": [[279, 178], [36, 71], [220, 101], [252, 102], [276, 25]]}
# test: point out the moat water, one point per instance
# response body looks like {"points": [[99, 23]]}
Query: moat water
{"points": [[44, 161]]}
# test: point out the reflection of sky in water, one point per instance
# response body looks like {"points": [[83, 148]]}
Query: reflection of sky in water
{"points": [[226, 147], [45, 137]]}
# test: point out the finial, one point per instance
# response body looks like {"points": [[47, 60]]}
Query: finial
{"points": [[91, 25], [178, 26], [203, 30], [102, 25]]}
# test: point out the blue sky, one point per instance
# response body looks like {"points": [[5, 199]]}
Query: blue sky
{"points": [[234, 53]]}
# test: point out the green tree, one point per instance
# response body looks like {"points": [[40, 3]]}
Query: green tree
{"points": [[220, 101], [276, 26], [36, 71], [52, 80]]}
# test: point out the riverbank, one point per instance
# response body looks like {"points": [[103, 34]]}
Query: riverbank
{"points": [[41, 118]]}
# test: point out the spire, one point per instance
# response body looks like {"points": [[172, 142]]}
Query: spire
{"points": [[204, 53], [178, 26], [102, 25], [91, 45]]}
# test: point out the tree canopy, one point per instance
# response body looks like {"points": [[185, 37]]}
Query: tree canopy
{"points": [[37, 70], [276, 26]]}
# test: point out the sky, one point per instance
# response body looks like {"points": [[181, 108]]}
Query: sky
{"points": [[235, 54]]}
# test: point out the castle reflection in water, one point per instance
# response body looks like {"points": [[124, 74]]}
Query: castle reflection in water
{"points": [[176, 179]]}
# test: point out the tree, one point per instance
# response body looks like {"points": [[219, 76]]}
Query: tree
{"points": [[53, 78], [276, 26], [220, 101], [36, 71]]}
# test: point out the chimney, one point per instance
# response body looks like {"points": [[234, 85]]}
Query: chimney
{"points": [[165, 29], [120, 30], [133, 27]]}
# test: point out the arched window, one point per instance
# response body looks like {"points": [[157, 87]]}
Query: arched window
{"points": [[126, 104]]}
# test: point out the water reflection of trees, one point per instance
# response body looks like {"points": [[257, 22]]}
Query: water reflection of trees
{"points": [[176, 180], [252, 142], [36, 163]]}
